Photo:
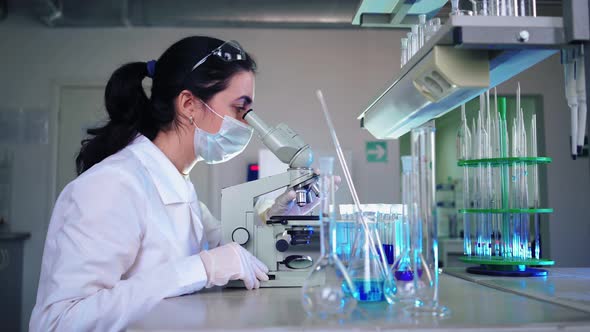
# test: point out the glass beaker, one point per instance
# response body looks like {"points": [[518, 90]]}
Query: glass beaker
{"points": [[423, 223], [368, 266], [328, 291], [402, 269]]}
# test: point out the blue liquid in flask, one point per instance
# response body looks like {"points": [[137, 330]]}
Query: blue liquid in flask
{"points": [[388, 249], [369, 290], [404, 275]]}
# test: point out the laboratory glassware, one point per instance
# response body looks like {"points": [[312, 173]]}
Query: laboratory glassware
{"points": [[345, 232], [328, 291], [509, 165], [424, 242], [525, 7], [365, 267], [500, 7], [483, 8], [404, 51], [367, 242], [536, 197], [415, 39], [402, 268], [464, 153], [410, 50], [385, 224], [458, 11], [421, 30]]}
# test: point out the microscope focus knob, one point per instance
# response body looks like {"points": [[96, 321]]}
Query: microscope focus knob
{"points": [[240, 235], [282, 245]]}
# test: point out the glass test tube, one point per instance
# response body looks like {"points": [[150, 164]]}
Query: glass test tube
{"points": [[415, 39], [404, 51], [526, 7], [410, 48], [421, 30]]}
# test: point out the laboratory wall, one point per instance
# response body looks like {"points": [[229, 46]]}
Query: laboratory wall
{"points": [[350, 66]]}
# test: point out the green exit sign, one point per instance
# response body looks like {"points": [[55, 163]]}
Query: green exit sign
{"points": [[376, 151]]}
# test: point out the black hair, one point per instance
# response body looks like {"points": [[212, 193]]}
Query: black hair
{"points": [[131, 112]]}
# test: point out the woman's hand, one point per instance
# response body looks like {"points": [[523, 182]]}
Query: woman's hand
{"points": [[233, 262]]}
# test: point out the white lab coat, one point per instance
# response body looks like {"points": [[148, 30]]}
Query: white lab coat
{"points": [[123, 236]]}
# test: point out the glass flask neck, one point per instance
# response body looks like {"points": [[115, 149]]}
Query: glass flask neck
{"points": [[327, 215]]}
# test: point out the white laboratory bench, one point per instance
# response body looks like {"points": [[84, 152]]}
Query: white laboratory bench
{"points": [[474, 306], [569, 287]]}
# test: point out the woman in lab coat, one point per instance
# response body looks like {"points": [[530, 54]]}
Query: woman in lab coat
{"points": [[129, 231]]}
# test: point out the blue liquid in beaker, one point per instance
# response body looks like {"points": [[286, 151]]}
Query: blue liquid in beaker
{"points": [[369, 290]]}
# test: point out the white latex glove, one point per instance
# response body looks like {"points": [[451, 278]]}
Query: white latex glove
{"points": [[232, 262], [285, 205]]}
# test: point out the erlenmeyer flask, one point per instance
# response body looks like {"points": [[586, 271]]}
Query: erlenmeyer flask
{"points": [[368, 266], [328, 291], [402, 269], [423, 224]]}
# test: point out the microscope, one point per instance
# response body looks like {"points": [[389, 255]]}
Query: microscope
{"points": [[288, 245]]}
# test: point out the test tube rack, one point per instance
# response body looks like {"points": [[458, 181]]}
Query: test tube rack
{"points": [[503, 261]]}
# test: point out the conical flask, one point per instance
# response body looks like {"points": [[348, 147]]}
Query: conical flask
{"points": [[368, 267], [403, 270], [326, 293]]}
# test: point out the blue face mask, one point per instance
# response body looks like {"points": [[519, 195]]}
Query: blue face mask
{"points": [[230, 141]]}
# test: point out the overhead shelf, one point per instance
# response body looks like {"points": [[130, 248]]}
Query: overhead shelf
{"points": [[394, 13], [507, 45]]}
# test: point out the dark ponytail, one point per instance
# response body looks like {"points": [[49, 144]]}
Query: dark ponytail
{"points": [[132, 113], [126, 103]]}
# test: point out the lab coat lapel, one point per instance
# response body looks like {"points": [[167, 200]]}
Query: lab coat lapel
{"points": [[171, 186], [168, 181]]}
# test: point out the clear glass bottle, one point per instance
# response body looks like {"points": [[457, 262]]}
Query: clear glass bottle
{"points": [[328, 291]]}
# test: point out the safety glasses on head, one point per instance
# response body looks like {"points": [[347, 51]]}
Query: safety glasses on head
{"points": [[228, 51]]}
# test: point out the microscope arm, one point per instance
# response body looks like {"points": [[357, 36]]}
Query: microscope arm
{"points": [[282, 141]]}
